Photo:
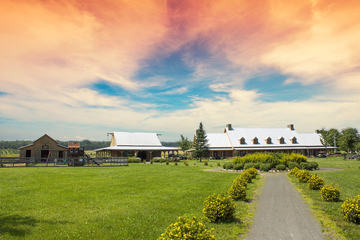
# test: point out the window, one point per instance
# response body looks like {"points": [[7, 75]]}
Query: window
{"points": [[28, 153], [293, 140], [61, 154], [281, 140], [268, 140], [242, 140], [255, 140]]}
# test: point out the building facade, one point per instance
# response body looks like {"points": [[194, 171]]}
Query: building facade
{"points": [[240, 141], [44, 149], [143, 145]]}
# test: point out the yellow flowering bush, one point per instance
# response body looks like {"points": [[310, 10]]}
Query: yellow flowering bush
{"points": [[252, 171], [219, 208], [351, 209], [330, 193], [294, 171], [303, 176], [315, 182], [238, 189], [187, 228], [246, 176]]}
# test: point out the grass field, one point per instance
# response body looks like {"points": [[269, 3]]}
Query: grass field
{"points": [[135, 202], [9, 153], [348, 180]]}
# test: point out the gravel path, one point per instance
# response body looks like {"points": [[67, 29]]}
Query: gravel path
{"points": [[282, 214]]}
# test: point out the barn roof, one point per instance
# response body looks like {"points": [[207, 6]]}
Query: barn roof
{"points": [[45, 135], [136, 139]]}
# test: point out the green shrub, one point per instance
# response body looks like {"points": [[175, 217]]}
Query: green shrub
{"points": [[265, 167], [316, 182], [134, 160], [280, 167], [246, 176], [167, 162], [186, 163], [249, 165], [305, 166], [158, 159], [219, 208], [218, 164], [206, 163], [237, 191], [351, 209], [228, 165], [257, 165], [253, 172], [314, 165], [330, 193], [176, 164], [187, 228], [292, 165], [238, 166], [303, 176], [294, 171]]}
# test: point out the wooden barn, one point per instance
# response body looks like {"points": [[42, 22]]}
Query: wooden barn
{"points": [[44, 149]]}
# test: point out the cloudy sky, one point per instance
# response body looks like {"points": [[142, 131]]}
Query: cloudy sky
{"points": [[78, 69]]}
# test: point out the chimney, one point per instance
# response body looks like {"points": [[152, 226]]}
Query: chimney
{"points": [[291, 127], [229, 127]]}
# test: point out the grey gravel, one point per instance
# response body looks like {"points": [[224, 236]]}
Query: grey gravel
{"points": [[282, 214]]}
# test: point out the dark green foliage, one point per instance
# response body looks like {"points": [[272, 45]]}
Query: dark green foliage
{"points": [[184, 143], [265, 167], [305, 166], [238, 166], [200, 143], [228, 165], [349, 139], [249, 165], [292, 165], [314, 165], [280, 167]]}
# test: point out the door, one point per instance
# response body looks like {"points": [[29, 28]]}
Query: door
{"points": [[44, 155]]}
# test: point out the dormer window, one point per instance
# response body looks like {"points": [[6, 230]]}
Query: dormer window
{"points": [[281, 140], [268, 140], [242, 140], [255, 140], [293, 140]]}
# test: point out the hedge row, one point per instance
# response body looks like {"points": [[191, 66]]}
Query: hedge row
{"points": [[350, 208], [268, 161], [217, 208]]}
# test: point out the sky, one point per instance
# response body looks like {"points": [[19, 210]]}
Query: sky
{"points": [[79, 69]]}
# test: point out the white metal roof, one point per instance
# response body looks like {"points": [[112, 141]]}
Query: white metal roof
{"points": [[139, 148], [231, 138], [136, 139], [218, 140]]}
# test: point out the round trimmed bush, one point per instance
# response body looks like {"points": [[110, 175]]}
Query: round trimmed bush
{"points": [[351, 209], [237, 191], [330, 193], [305, 166], [246, 176], [219, 208], [252, 172], [294, 171], [303, 176], [315, 182], [187, 228], [280, 167], [314, 165], [265, 167]]}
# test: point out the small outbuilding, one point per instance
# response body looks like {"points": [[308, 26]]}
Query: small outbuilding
{"points": [[44, 149]]}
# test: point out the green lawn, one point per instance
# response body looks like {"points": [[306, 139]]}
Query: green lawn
{"points": [[348, 180], [135, 202]]}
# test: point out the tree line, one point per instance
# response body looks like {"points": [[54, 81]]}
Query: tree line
{"points": [[347, 139]]}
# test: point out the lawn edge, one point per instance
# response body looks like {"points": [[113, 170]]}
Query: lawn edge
{"points": [[249, 217], [330, 229]]}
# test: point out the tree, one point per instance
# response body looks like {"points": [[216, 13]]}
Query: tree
{"points": [[349, 139], [330, 137], [185, 143], [200, 143]]}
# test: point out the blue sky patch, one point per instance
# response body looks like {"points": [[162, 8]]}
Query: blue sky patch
{"points": [[273, 88], [3, 93]]}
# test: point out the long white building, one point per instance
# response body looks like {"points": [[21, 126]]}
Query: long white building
{"points": [[247, 140]]}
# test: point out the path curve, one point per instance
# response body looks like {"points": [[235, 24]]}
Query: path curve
{"points": [[282, 214]]}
